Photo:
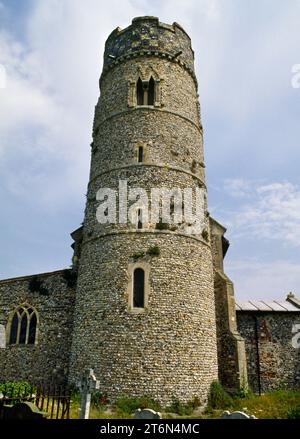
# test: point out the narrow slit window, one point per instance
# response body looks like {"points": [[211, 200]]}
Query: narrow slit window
{"points": [[139, 219], [140, 154], [14, 329], [32, 329], [139, 288], [140, 92], [151, 91], [23, 330]]}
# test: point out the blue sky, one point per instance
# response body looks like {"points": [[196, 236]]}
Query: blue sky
{"points": [[52, 52]]}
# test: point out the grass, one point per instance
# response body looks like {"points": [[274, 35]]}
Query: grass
{"points": [[280, 404]]}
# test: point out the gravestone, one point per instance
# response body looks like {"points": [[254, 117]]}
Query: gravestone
{"points": [[146, 414], [2, 337], [87, 385], [236, 415], [25, 410]]}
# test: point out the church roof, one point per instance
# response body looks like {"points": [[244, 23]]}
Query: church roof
{"points": [[291, 304]]}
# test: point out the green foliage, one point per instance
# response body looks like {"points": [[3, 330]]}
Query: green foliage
{"points": [[99, 400], [162, 226], [294, 413], [70, 277], [128, 406], [137, 256], [183, 409], [36, 285], [205, 234], [244, 390], [16, 389], [218, 397], [153, 251], [278, 404]]}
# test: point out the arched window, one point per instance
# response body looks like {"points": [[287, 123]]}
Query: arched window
{"points": [[138, 288], [151, 91], [139, 92], [145, 92], [23, 326]]}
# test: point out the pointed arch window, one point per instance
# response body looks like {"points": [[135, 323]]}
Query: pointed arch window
{"points": [[151, 91], [145, 92], [23, 326]]}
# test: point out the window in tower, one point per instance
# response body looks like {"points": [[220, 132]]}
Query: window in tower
{"points": [[140, 92], [23, 326], [151, 91], [140, 154], [145, 92], [138, 288], [139, 219]]}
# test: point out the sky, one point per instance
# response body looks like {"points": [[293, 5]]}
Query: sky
{"points": [[245, 53]]}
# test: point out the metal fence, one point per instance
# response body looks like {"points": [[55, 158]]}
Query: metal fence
{"points": [[53, 400]]}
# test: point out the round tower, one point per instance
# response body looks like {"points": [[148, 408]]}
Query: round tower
{"points": [[145, 314]]}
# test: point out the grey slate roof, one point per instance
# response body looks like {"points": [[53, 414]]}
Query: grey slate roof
{"points": [[266, 305]]}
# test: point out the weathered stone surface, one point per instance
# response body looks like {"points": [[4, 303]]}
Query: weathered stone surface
{"points": [[169, 350], [25, 410], [2, 337], [236, 415], [48, 358], [272, 361], [147, 414]]}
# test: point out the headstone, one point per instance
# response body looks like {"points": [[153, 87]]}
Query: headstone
{"points": [[25, 410], [146, 414], [2, 337], [236, 415], [87, 385]]}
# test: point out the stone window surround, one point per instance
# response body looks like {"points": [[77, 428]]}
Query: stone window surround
{"points": [[139, 145], [145, 77], [144, 265], [9, 323]]}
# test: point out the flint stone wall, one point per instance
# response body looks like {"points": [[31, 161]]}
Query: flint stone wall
{"points": [[47, 359]]}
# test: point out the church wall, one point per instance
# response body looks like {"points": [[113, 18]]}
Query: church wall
{"points": [[272, 353], [48, 358]]}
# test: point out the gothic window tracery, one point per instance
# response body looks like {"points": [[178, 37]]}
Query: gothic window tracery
{"points": [[23, 326]]}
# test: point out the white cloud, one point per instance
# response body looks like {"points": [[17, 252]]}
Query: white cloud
{"points": [[46, 110], [264, 280], [265, 211]]}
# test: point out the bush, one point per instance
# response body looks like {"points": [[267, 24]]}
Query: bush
{"points": [[99, 400], [70, 277], [36, 285], [162, 226], [127, 405], [153, 251], [16, 389], [183, 409], [137, 256], [218, 398], [294, 413]]}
